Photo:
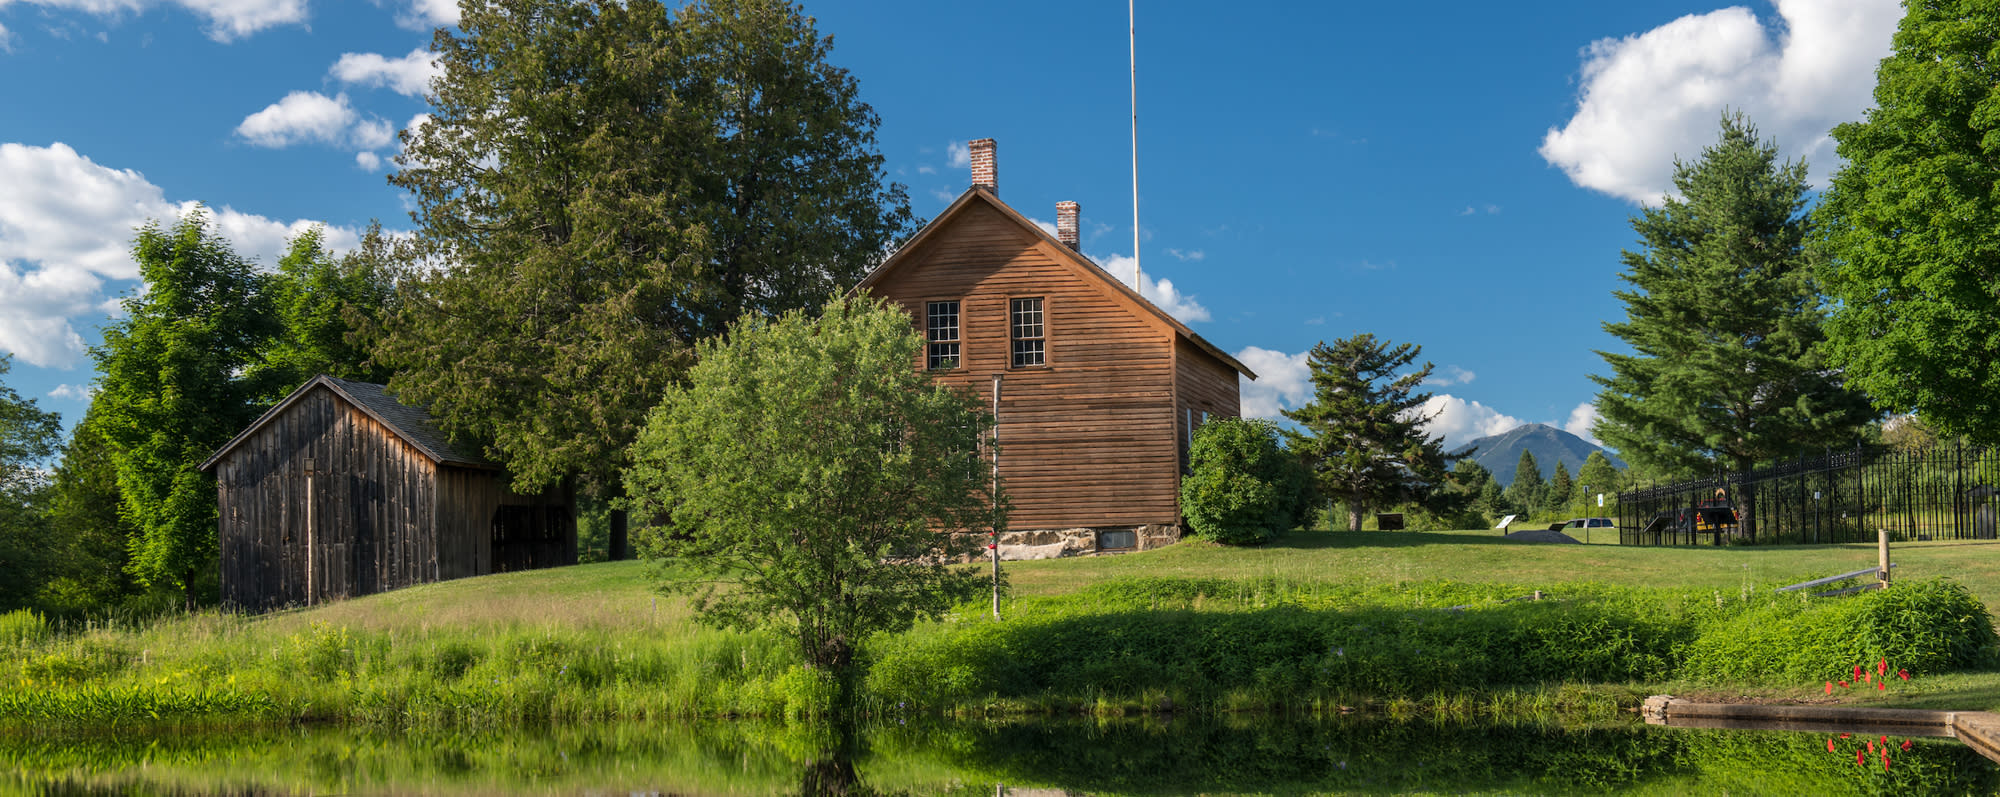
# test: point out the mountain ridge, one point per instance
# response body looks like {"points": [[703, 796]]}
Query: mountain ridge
{"points": [[1500, 453]]}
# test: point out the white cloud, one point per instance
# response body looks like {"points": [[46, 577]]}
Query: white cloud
{"points": [[74, 392], [1046, 226], [66, 227], [6, 40], [409, 75], [927, 169], [428, 14], [958, 155], [1652, 96], [300, 116], [368, 161], [1450, 375], [1461, 421], [227, 19], [309, 116], [1582, 421], [1158, 291], [1195, 255], [1284, 382]]}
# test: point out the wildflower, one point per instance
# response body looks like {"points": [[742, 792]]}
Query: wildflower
{"points": [[1903, 674], [1885, 762], [1829, 687], [1906, 745], [1871, 747], [1829, 745], [1885, 740], [1843, 684], [1881, 685], [1860, 758], [1882, 666], [1857, 672]]}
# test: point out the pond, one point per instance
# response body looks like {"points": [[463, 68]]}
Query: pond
{"points": [[1041, 757]]}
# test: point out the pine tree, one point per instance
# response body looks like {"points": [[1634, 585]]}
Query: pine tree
{"points": [[1600, 476], [1562, 491], [1723, 318], [1528, 490], [1363, 431]]}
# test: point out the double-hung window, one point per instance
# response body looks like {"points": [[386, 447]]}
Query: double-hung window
{"points": [[1027, 331], [941, 329]]}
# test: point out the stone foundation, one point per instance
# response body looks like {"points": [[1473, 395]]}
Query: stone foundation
{"points": [[1018, 546]]}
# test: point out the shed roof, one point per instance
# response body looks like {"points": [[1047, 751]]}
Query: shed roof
{"points": [[1077, 260], [412, 424]]}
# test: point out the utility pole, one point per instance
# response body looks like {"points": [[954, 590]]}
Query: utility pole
{"points": [[1132, 33], [993, 544]]}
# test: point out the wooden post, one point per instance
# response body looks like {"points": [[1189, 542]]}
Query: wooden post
{"points": [[312, 575], [1882, 555]]}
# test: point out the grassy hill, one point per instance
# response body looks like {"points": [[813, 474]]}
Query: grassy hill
{"points": [[1211, 627]]}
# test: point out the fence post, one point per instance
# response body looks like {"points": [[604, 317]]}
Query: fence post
{"points": [[1882, 555]]}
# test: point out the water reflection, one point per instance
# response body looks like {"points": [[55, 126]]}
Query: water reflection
{"points": [[1045, 757]]}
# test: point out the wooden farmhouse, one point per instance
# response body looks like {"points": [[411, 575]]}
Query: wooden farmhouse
{"points": [[1100, 390], [341, 490]]}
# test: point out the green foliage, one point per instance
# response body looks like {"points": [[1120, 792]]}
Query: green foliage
{"points": [[1363, 431], [1600, 476], [1723, 319], [1561, 491], [1528, 492], [807, 470], [325, 306], [1927, 627], [1908, 225], [169, 393], [28, 436], [610, 182], [1244, 488]]}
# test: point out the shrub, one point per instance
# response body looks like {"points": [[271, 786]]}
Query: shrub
{"points": [[1924, 626], [22, 628], [1245, 488]]}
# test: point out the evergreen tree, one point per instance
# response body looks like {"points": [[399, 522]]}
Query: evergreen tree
{"points": [[1363, 431], [600, 185], [1528, 490], [1493, 501], [1723, 318], [169, 393], [1562, 491], [1600, 476], [1909, 226]]}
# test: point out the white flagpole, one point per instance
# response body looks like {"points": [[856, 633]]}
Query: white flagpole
{"points": [[1132, 32]]}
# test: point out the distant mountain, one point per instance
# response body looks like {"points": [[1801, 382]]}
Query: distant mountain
{"points": [[1501, 452]]}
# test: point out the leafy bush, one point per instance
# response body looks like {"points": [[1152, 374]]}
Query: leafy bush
{"points": [[22, 628], [1928, 626], [1244, 488]]}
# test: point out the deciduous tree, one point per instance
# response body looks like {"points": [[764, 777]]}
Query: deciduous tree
{"points": [[28, 437], [1363, 431], [1243, 487], [600, 185], [325, 306], [1723, 319], [169, 393], [1600, 476], [1910, 223], [805, 474]]}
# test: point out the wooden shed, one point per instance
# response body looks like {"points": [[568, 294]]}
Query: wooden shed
{"points": [[1100, 389], [341, 490]]}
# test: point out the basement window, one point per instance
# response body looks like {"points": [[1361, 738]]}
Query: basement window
{"points": [[941, 329], [1025, 321]]}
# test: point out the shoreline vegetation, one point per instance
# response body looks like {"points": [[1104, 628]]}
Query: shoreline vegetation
{"points": [[1194, 629]]}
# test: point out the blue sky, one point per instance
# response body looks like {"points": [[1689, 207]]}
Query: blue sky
{"points": [[1455, 174]]}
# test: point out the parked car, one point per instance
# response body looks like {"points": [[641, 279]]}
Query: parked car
{"points": [[1590, 523]]}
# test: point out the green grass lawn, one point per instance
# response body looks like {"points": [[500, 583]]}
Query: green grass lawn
{"points": [[454, 651]]}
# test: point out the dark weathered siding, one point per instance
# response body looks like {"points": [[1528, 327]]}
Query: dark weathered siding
{"points": [[1087, 440]]}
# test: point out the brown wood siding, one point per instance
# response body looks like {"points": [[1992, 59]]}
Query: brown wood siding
{"points": [[1087, 440]]}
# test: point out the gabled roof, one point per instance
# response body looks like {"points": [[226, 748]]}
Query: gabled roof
{"points": [[1076, 261], [411, 424]]}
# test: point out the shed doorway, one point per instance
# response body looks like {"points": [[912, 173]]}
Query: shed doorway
{"points": [[531, 537]]}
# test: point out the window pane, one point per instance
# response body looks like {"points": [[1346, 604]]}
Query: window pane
{"points": [[1025, 326], [941, 329]]}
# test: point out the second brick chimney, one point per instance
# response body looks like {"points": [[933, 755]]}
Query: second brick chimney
{"points": [[984, 171], [1066, 230]]}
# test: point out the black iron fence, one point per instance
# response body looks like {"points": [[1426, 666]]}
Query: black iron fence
{"points": [[1945, 492]]}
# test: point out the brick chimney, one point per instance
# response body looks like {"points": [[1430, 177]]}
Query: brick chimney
{"points": [[1066, 223], [984, 171]]}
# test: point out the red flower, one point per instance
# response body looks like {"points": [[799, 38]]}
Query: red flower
{"points": [[1903, 674], [1885, 762], [1829, 687], [1829, 745], [1882, 666], [1860, 757], [1881, 685], [1906, 744], [1885, 739], [1843, 736], [1857, 672], [1843, 684]]}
